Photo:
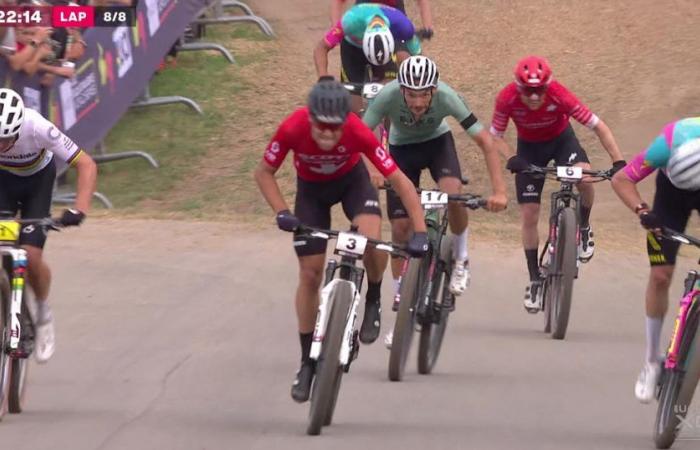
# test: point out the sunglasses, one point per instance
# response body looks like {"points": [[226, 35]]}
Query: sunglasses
{"points": [[323, 126], [528, 90]]}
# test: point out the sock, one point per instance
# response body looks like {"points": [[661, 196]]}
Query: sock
{"points": [[585, 216], [43, 311], [374, 291], [305, 340], [459, 246], [654, 325], [532, 267]]}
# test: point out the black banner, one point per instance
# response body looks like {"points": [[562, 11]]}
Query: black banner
{"points": [[116, 67]]}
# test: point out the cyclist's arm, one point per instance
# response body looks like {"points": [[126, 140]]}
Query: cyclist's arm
{"points": [[87, 181], [641, 166], [378, 108], [330, 40], [407, 193], [608, 140], [267, 183], [426, 15], [490, 150], [626, 189], [337, 7]]}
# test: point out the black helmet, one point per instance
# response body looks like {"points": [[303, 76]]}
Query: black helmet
{"points": [[329, 102]]}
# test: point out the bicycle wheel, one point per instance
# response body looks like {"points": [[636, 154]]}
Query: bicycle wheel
{"points": [[405, 320], [5, 360], [328, 368], [562, 281], [432, 334], [547, 305], [679, 386], [20, 366]]}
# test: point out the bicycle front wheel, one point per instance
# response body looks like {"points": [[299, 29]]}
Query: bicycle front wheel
{"points": [[5, 360], [562, 282], [679, 386], [20, 366], [328, 369], [405, 320], [432, 333]]}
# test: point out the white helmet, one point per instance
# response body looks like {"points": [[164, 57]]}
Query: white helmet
{"points": [[418, 72], [683, 167], [11, 113], [378, 45]]}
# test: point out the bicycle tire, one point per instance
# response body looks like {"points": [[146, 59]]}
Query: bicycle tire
{"points": [[563, 285], [5, 360], [547, 306], [678, 388], [432, 334], [20, 366], [405, 320], [328, 368]]}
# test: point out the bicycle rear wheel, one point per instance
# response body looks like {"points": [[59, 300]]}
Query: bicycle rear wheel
{"points": [[328, 368], [5, 360], [679, 385], [432, 334], [405, 319], [562, 278], [20, 366]]}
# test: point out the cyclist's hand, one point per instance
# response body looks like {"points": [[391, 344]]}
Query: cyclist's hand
{"points": [[72, 218], [425, 33], [286, 221], [418, 245], [650, 221], [517, 164], [617, 166], [497, 202]]}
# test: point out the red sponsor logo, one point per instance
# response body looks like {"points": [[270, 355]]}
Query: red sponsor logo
{"points": [[73, 16]]}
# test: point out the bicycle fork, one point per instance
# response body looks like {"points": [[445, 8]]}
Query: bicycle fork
{"points": [[19, 269], [679, 328]]}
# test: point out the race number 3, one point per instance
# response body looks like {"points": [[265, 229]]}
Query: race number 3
{"points": [[351, 243]]}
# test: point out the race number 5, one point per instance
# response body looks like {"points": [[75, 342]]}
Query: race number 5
{"points": [[351, 243]]}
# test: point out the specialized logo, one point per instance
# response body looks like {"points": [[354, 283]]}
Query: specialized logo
{"points": [[572, 157], [28, 229]]}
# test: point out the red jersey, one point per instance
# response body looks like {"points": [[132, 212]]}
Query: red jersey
{"points": [[545, 123], [314, 164]]}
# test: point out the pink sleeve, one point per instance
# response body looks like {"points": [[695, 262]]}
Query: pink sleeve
{"points": [[636, 170], [334, 35]]}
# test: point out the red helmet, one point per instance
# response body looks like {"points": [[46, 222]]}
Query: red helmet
{"points": [[533, 71]]}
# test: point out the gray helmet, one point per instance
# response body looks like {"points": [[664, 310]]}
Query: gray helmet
{"points": [[329, 102]]}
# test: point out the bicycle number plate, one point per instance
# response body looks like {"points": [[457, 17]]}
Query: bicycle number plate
{"points": [[351, 243], [371, 90], [433, 199], [9, 230], [570, 172]]}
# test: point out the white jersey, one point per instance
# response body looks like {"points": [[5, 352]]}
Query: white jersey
{"points": [[39, 141]]}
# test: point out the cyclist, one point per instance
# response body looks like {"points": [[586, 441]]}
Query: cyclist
{"points": [[29, 147], [423, 6], [368, 34], [676, 151], [327, 141], [541, 107], [417, 105]]}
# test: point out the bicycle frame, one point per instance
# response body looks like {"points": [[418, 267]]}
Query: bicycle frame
{"points": [[563, 198], [15, 264], [690, 299]]}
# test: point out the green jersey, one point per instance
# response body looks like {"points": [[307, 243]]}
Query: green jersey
{"points": [[404, 128]]}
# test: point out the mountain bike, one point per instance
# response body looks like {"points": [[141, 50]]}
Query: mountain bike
{"points": [[559, 258], [17, 326], [335, 342], [424, 299], [681, 369]]}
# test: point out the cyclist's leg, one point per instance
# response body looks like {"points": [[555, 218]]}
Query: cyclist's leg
{"points": [[361, 205], [353, 62]]}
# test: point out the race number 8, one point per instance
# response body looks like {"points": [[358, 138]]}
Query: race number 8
{"points": [[351, 243]]}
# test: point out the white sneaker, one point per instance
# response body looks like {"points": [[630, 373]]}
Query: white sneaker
{"points": [[645, 388], [460, 277], [533, 297], [586, 246], [45, 342], [388, 339]]}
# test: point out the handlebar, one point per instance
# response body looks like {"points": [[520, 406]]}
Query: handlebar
{"points": [[471, 201], [48, 222], [679, 237], [602, 175], [389, 247]]}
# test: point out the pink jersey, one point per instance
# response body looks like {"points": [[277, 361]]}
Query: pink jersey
{"points": [[545, 123], [314, 164]]}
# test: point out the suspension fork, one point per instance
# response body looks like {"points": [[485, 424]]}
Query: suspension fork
{"points": [[17, 282]]}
